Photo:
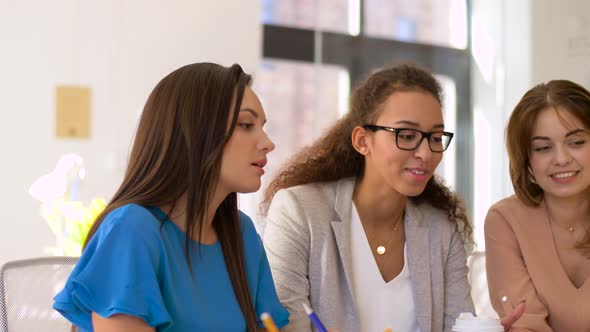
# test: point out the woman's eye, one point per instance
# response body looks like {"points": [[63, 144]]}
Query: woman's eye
{"points": [[541, 148], [407, 137], [577, 143], [245, 125]]}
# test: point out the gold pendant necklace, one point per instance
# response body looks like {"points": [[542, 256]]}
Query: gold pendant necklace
{"points": [[571, 229], [381, 249]]}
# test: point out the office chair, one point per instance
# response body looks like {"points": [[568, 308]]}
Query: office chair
{"points": [[479, 285], [27, 288]]}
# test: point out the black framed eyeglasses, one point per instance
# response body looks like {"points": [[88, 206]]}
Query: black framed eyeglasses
{"points": [[410, 139]]}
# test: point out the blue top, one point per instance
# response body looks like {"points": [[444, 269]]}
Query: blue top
{"points": [[135, 265]]}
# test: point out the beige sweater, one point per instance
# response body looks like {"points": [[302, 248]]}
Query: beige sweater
{"points": [[523, 264]]}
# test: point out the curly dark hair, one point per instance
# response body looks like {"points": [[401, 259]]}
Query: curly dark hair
{"points": [[333, 156]]}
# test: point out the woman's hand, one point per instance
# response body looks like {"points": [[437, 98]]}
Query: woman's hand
{"points": [[512, 317]]}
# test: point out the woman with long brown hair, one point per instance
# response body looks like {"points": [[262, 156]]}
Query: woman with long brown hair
{"points": [[360, 228], [538, 241], [171, 251]]}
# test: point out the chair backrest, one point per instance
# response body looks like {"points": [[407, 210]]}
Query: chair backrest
{"points": [[479, 285], [27, 288]]}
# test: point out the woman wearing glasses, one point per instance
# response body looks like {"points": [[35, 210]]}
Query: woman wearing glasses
{"points": [[538, 241], [360, 229]]}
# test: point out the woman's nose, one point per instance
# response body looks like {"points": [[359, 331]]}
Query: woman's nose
{"points": [[423, 150], [266, 143], [563, 156]]}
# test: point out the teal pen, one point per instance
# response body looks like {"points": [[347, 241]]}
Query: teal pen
{"points": [[314, 319]]}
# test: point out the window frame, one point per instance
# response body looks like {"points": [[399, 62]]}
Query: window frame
{"points": [[361, 54]]}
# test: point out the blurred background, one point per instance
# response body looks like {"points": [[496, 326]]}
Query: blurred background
{"points": [[74, 76]]}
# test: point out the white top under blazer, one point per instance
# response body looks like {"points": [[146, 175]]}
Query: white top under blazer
{"points": [[380, 304]]}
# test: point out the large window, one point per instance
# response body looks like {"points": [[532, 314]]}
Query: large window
{"points": [[433, 22], [316, 50], [301, 100], [340, 16]]}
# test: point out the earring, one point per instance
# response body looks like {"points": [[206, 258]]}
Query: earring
{"points": [[531, 176]]}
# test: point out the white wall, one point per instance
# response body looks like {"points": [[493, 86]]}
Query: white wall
{"points": [[119, 48], [501, 34], [561, 41]]}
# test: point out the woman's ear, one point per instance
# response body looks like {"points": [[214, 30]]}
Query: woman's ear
{"points": [[360, 140]]}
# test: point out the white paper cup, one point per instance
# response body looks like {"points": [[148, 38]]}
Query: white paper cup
{"points": [[466, 322]]}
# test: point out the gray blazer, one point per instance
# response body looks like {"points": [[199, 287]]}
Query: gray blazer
{"points": [[308, 246]]}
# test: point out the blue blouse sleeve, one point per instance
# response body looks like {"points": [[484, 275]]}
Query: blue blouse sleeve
{"points": [[266, 299], [117, 274]]}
